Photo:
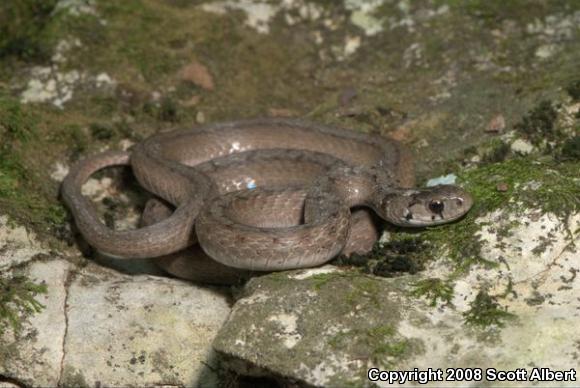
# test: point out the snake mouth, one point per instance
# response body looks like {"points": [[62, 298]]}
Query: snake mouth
{"points": [[434, 220]]}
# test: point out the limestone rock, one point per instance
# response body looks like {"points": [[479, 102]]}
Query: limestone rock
{"points": [[100, 327], [17, 244], [34, 356], [146, 330], [327, 327], [6, 384], [320, 326]]}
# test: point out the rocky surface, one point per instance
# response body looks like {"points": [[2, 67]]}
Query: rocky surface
{"points": [[99, 327], [327, 327]]}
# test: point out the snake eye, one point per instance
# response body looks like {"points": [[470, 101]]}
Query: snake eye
{"points": [[436, 206]]}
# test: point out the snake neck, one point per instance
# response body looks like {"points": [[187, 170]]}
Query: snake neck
{"points": [[346, 187]]}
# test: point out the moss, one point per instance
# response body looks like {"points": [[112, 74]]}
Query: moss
{"points": [[18, 200], [320, 280], [23, 26], [555, 190], [485, 311], [144, 52], [364, 291], [377, 345], [384, 346], [538, 126], [496, 151], [80, 140], [435, 290], [17, 301], [493, 12], [10, 174], [101, 131], [16, 123], [20, 193], [402, 254], [548, 186], [77, 138], [361, 288], [571, 149], [166, 110], [573, 90], [72, 377]]}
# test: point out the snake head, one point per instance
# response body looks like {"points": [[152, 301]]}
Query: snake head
{"points": [[426, 207]]}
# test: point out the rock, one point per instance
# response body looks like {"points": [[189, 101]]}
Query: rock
{"points": [[320, 326], [17, 244], [77, 7], [100, 327], [522, 146], [6, 384], [496, 124], [197, 74], [502, 187], [326, 327], [47, 84], [147, 329], [34, 356], [351, 45], [258, 14]]}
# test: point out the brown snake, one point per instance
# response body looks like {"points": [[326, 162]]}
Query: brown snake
{"points": [[260, 195]]}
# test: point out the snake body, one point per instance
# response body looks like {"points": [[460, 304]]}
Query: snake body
{"points": [[261, 195]]}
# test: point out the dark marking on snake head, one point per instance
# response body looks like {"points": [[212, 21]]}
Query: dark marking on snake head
{"points": [[436, 206]]}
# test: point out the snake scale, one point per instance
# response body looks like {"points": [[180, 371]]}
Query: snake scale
{"points": [[260, 195]]}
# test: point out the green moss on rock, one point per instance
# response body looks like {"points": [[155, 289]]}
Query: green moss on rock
{"points": [[331, 318], [379, 345], [435, 290], [402, 254], [485, 311], [496, 151], [362, 289], [571, 149], [21, 193], [16, 123], [71, 377], [512, 186], [573, 90], [18, 301], [538, 126]]}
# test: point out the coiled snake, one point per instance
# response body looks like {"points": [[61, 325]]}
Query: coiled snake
{"points": [[260, 195]]}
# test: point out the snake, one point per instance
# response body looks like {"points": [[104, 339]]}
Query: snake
{"points": [[261, 195]]}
